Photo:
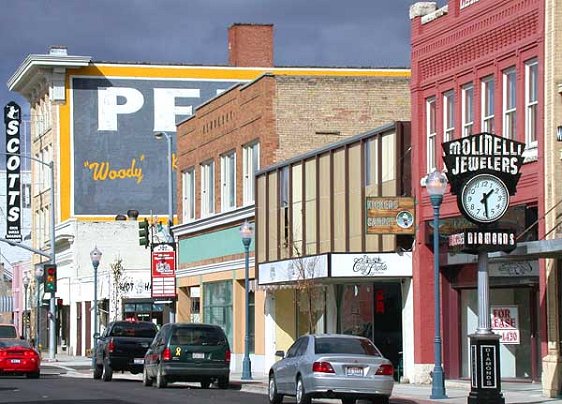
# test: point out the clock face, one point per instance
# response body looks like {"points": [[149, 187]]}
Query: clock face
{"points": [[484, 198]]}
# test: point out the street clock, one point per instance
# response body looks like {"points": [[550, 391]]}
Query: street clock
{"points": [[484, 198]]}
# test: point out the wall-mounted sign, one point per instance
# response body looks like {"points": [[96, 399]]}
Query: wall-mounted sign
{"points": [[12, 120], [293, 270], [373, 265], [389, 215], [163, 271], [505, 322]]}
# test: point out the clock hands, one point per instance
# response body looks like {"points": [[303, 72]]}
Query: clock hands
{"points": [[484, 201]]}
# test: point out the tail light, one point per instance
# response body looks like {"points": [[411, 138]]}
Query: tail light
{"points": [[322, 367], [227, 356], [111, 345], [166, 354], [385, 370]]}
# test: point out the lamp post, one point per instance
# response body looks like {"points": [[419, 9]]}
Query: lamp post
{"points": [[24, 317], [436, 184], [38, 279], [160, 135], [246, 233], [95, 256]]}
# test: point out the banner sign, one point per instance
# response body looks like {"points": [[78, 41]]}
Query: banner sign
{"points": [[163, 271], [390, 215], [505, 322], [483, 153], [474, 240], [12, 120]]}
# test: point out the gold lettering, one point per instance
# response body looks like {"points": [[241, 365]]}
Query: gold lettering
{"points": [[102, 170]]}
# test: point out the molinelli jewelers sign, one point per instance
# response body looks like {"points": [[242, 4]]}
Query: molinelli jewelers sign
{"points": [[12, 120], [389, 215], [163, 271], [483, 153]]}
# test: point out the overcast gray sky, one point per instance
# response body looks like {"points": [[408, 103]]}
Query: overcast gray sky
{"points": [[367, 33]]}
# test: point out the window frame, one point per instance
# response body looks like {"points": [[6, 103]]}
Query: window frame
{"points": [[188, 194], [531, 105], [250, 164], [448, 115], [487, 102], [228, 181], [467, 109], [207, 188], [509, 131], [431, 133]]}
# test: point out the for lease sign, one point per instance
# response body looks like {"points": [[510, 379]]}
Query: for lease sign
{"points": [[505, 322]]}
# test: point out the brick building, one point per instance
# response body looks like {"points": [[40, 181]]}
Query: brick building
{"points": [[223, 144], [482, 66]]}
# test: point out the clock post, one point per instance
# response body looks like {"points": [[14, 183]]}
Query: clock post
{"points": [[484, 170]]}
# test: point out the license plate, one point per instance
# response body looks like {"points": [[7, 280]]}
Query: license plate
{"points": [[198, 355], [138, 361], [16, 361], [354, 371]]}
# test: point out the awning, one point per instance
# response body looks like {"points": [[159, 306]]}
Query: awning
{"points": [[6, 304]]}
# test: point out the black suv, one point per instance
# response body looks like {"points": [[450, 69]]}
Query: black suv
{"points": [[188, 352]]}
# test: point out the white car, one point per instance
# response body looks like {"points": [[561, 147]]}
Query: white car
{"points": [[340, 366]]}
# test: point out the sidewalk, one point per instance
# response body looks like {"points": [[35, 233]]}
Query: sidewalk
{"points": [[456, 390]]}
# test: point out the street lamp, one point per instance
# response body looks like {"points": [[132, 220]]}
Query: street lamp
{"points": [[246, 233], [436, 184], [160, 135], [24, 318], [38, 279], [95, 256]]}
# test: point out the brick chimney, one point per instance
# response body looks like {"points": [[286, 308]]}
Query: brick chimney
{"points": [[250, 45]]}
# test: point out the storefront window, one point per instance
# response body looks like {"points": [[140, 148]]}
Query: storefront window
{"points": [[516, 356], [217, 306]]}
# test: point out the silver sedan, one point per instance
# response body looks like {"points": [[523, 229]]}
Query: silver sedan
{"points": [[331, 366]]}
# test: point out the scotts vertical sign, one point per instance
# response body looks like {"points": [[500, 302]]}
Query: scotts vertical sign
{"points": [[163, 271], [12, 120]]}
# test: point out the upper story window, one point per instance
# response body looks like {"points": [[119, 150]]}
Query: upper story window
{"points": [[509, 103], [284, 203], [251, 164], [488, 104], [531, 102], [228, 181], [207, 188], [467, 109], [449, 116], [431, 132], [188, 194], [370, 162]]}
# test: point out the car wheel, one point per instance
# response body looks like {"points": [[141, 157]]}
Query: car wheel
{"points": [[301, 396], [161, 381], [98, 370], [224, 382], [32, 375], [274, 397], [380, 400], [205, 383], [146, 380], [107, 372]]}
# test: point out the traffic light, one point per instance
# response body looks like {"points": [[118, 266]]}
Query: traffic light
{"points": [[143, 233], [50, 277]]}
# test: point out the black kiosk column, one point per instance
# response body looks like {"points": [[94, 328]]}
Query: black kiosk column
{"points": [[483, 170]]}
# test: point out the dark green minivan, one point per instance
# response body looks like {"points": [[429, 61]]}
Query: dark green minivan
{"points": [[188, 352]]}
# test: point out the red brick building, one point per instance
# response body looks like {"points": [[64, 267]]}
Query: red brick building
{"points": [[477, 66]]}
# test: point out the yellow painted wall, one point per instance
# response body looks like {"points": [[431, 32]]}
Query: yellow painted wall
{"points": [[285, 315]]}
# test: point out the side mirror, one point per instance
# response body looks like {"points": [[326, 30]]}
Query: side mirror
{"points": [[280, 353]]}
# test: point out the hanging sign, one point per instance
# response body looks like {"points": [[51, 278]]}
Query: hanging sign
{"points": [[390, 215], [12, 120], [163, 271]]}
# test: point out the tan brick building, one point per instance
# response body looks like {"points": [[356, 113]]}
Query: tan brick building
{"points": [[244, 129]]}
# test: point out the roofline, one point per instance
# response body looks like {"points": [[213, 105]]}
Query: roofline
{"points": [[34, 61], [331, 146]]}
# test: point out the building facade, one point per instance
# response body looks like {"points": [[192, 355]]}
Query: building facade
{"points": [[220, 148], [483, 67]]}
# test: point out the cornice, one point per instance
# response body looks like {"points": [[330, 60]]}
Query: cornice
{"points": [[233, 216]]}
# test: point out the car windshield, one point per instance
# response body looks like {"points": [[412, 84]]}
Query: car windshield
{"points": [[197, 336], [14, 342], [139, 330], [340, 345], [8, 331]]}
